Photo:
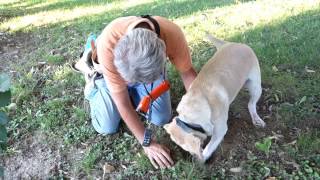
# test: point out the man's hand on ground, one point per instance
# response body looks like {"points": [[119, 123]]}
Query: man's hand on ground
{"points": [[159, 155]]}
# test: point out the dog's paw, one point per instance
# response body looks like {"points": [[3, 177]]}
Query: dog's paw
{"points": [[201, 159], [258, 122], [200, 156]]}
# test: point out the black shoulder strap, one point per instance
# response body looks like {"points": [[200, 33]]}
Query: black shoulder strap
{"points": [[154, 22]]}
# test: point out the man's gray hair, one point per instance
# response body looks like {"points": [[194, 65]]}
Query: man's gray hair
{"points": [[140, 56]]}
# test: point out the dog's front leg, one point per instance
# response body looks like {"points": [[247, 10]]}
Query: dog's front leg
{"points": [[219, 130]]}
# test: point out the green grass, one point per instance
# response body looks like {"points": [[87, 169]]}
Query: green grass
{"points": [[91, 157], [309, 143], [55, 59], [284, 35]]}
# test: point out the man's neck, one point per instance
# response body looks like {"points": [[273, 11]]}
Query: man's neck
{"points": [[143, 25]]}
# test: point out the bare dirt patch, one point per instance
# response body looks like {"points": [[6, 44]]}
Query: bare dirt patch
{"points": [[14, 49], [33, 158], [37, 156]]}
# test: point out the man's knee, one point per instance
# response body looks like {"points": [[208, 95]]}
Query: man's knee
{"points": [[104, 114], [161, 119], [105, 117], [106, 127]]}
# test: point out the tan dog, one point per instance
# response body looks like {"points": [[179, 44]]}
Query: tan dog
{"points": [[207, 101]]}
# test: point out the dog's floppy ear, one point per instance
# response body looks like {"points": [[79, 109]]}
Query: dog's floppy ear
{"points": [[169, 127]]}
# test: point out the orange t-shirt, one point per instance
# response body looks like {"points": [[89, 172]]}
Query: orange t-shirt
{"points": [[177, 49]]}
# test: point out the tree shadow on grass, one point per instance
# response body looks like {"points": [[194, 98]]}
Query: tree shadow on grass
{"points": [[16, 9], [82, 26], [174, 8], [170, 9]]}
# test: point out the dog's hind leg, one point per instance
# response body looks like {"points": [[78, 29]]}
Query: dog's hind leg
{"points": [[254, 86]]}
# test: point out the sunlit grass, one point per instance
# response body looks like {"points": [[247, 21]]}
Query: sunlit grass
{"points": [[224, 21], [48, 17], [8, 1], [231, 20]]}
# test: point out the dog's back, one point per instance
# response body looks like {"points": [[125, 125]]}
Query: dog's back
{"points": [[230, 66]]}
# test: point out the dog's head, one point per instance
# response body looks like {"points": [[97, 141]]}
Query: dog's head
{"points": [[194, 108], [189, 140]]}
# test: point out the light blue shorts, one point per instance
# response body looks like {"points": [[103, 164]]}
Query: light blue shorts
{"points": [[104, 113]]}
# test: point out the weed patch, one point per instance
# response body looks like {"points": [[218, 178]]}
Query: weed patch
{"points": [[36, 49], [309, 143], [91, 157]]}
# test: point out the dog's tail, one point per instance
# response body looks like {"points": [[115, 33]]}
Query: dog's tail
{"points": [[216, 42]]}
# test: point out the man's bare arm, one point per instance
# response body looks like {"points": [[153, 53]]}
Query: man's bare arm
{"points": [[159, 155], [128, 114], [188, 77]]}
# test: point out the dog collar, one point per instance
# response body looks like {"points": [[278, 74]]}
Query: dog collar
{"points": [[189, 127]]}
